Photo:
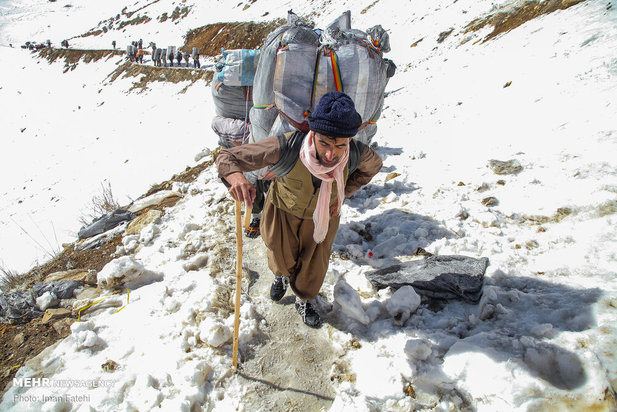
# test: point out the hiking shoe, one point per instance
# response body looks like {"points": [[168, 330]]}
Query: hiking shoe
{"points": [[309, 316], [252, 230], [278, 288]]}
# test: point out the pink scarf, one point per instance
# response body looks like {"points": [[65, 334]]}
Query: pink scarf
{"points": [[321, 215]]}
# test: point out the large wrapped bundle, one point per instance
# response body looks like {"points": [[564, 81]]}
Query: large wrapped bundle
{"points": [[297, 67], [293, 82], [237, 67], [231, 132], [348, 60], [262, 119], [363, 71], [171, 52], [233, 102], [263, 114], [281, 126], [232, 95]]}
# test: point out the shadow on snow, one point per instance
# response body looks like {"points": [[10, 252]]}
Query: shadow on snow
{"points": [[390, 234], [514, 322]]}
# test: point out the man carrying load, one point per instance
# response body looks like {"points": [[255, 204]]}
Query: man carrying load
{"points": [[301, 211]]}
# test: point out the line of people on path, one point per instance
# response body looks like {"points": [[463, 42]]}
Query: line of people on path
{"points": [[34, 45], [161, 56]]}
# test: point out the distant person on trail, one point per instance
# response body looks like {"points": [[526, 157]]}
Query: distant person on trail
{"points": [[179, 58], [301, 211], [171, 59], [187, 55], [113, 44], [139, 56], [196, 63]]}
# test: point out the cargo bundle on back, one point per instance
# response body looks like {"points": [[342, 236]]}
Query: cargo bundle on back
{"points": [[299, 64]]}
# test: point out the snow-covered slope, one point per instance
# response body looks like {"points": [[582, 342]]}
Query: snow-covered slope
{"points": [[543, 335]]}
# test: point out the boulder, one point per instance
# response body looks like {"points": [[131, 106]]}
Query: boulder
{"points": [[19, 339], [135, 227], [54, 314], [63, 289], [63, 326], [125, 272], [509, 167], [153, 200], [439, 277], [80, 275]]}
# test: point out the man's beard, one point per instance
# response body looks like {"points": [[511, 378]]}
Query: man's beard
{"points": [[328, 164]]}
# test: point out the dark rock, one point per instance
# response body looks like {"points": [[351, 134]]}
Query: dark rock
{"points": [[63, 289], [440, 277], [443, 35]]}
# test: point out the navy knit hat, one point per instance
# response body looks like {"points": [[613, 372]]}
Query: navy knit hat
{"points": [[335, 116]]}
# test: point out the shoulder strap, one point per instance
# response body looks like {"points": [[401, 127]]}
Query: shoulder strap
{"points": [[355, 151], [290, 151]]}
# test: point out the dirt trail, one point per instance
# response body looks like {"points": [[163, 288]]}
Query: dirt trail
{"points": [[290, 369]]}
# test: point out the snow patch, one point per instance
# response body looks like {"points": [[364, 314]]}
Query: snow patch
{"points": [[125, 271], [403, 302]]}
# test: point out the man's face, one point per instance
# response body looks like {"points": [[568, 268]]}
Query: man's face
{"points": [[329, 149]]}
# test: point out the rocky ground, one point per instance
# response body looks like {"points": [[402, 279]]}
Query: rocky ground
{"points": [[21, 342]]}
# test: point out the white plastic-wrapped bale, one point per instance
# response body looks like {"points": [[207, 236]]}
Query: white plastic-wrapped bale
{"points": [[343, 22], [231, 132]]}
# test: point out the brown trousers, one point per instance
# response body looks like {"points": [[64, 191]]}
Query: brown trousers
{"points": [[292, 252]]}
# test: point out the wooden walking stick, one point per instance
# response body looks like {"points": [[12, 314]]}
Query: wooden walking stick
{"points": [[247, 218], [238, 277]]}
